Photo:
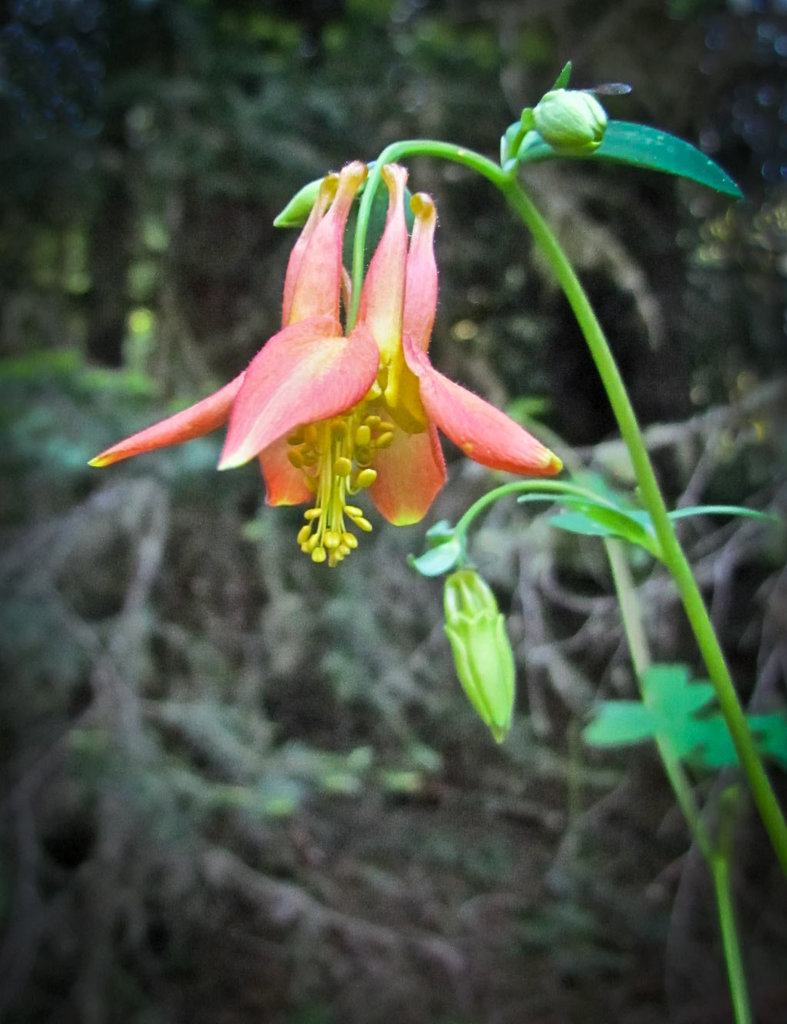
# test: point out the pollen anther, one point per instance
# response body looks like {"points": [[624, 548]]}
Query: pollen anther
{"points": [[336, 457]]}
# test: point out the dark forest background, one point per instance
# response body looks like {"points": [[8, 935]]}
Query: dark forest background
{"points": [[237, 787]]}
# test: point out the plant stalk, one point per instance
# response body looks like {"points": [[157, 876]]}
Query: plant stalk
{"points": [[718, 855], [671, 552], [650, 494]]}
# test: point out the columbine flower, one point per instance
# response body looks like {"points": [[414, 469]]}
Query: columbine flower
{"points": [[329, 415]]}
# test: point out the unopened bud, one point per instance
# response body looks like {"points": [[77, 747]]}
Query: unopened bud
{"points": [[482, 652], [571, 121]]}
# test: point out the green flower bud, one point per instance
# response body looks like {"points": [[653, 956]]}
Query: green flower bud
{"points": [[572, 122], [482, 652]]}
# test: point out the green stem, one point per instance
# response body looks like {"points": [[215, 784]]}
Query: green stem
{"points": [[397, 151], [671, 551], [736, 975], [717, 856], [555, 487], [629, 605], [640, 656]]}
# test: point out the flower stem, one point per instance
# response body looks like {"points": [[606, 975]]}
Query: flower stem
{"points": [[630, 609], [720, 870], [640, 656], [650, 494], [397, 151], [671, 552], [718, 855]]}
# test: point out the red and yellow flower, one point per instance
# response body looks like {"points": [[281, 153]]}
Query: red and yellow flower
{"points": [[330, 414]]}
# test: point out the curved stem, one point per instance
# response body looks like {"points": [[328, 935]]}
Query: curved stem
{"points": [[672, 553], [397, 151], [522, 487]]}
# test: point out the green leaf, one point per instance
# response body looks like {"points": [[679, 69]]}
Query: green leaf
{"points": [[679, 710], [706, 743], [619, 722], [439, 559], [561, 82], [602, 518], [643, 146], [669, 690], [608, 516], [439, 532], [598, 521], [722, 510], [770, 733]]}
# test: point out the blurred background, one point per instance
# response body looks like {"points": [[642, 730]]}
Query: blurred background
{"points": [[237, 787]]}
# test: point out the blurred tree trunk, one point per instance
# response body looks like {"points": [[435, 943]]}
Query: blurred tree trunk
{"points": [[109, 247]]}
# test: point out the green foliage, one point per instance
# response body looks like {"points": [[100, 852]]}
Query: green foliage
{"points": [[597, 510], [579, 130], [642, 146], [680, 711], [154, 231], [634, 525], [445, 551]]}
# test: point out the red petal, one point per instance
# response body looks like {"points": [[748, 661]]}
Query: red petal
{"points": [[284, 484], [420, 292], [313, 287], [195, 421], [484, 433], [306, 373], [324, 196], [382, 295], [409, 475]]}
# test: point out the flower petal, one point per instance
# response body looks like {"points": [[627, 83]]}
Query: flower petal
{"points": [[284, 484], [324, 196], [409, 474], [420, 292], [192, 422], [382, 294], [484, 433], [305, 373], [313, 285]]}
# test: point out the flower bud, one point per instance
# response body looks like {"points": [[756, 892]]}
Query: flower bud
{"points": [[482, 652], [571, 121]]}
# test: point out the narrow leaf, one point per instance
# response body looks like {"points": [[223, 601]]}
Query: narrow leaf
{"points": [[722, 510], [561, 82], [599, 519], [607, 522], [643, 146]]}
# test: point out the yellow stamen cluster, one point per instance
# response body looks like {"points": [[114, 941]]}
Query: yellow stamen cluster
{"points": [[336, 458]]}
